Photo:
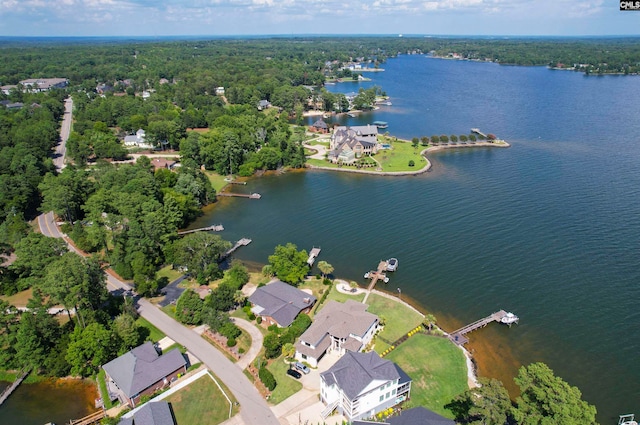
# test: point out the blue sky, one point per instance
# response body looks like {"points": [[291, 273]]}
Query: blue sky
{"points": [[288, 17]]}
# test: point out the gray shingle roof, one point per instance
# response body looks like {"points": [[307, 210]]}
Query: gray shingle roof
{"points": [[152, 413], [340, 320], [142, 367], [355, 371], [281, 301]]}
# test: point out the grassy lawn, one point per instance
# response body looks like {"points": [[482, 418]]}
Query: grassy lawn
{"points": [[340, 297], [100, 378], [20, 299], [316, 286], [217, 181], [398, 318], [286, 385], [170, 310], [169, 273], [397, 158], [201, 403], [438, 370], [155, 334]]}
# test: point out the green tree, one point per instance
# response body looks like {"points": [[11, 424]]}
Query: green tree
{"points": [[547, 399], [415, 142], [453, 138], [428, 321], [288, 350], [488, 404], [124, 326], [35, 252], [90, 348], [272, 346], [289, 264], [189, 308], [200, 253], [325, 268]]}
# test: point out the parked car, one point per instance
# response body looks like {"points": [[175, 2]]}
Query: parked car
{"points": [[302, 368], [294, 373]]}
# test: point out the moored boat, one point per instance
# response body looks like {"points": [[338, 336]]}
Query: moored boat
{"points": [[392, 264], [628, 419], [509, 319]]}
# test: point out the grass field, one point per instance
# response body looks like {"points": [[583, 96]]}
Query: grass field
{"points": [[340, 297], [286, 385], [217, 181], [169, 273], [399, 319], [20, 299], [437, 367], [155, 334], [201, 403]]}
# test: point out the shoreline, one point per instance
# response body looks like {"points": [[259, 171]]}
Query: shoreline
{"points": [[423, 153], [472, 374]]}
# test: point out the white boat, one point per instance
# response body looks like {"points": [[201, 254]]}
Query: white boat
{"points": [[385, 280], [392, 264], [509, 319], [627, 420], [366, 275]]}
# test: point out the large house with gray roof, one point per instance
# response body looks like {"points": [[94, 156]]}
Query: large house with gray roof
{"points": [[280, 303], [359, 385], [349, 143], [338, 327], [142, 371]]}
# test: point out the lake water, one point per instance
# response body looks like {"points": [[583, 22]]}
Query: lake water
{"points": [[548, 229]]}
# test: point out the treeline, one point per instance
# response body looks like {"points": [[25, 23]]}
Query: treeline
{"points": [[611, 55]]}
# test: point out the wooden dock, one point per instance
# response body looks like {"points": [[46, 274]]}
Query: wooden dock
{"points": [[458, 335], [11, 388], [376, 275], [241, 195], [313, 255], [241, 242], [478, 132], [89, 419], [214, 228]]}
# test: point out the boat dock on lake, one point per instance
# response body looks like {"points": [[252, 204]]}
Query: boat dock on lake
{"points": [[478, 132], [313, 255], [241, 195], [10, 389], [241, 242], [381, 124], [214, 228], [499, 316], [93, 418]]}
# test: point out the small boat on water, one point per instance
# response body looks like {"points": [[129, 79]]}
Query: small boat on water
{"points": [[627, 420], [509, 319], [366, 275], [381, 124], [392, 264], [385, 280]]}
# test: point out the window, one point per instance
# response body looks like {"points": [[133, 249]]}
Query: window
{"points": [[387, 396], [393, 392], [304, 356], [382, 397]]}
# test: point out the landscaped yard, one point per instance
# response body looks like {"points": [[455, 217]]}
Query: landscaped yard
{"points": [[155, 334], [286, 385], [398, 318], [169, 272], [437, 367], [341, 297], [201, 403], [19, 299], [217, 181]]}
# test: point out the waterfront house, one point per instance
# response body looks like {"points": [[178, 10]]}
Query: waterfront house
{"points": [[359, 385], [339, 328], [263, 104], [280, 303], [361, 140], [416, 416], [152, 413], [320, 126], [142, 371]]}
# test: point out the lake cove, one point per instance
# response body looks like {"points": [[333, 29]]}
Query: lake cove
{"points": [[546, 229]]}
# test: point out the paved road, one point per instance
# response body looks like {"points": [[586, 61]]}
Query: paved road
{"points": [[254, 410], [65, 130], [172, 291]]}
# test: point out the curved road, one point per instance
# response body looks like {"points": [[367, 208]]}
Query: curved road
{"points": [[254, 409]]}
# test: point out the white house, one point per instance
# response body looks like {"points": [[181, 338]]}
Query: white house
{"points": [[337, 328], [359, 385], [137, 140], [219, 91]]}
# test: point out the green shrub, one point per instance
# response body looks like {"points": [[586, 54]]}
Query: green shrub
{"points": [[412, 163], [251, 316], [267, 378], [231, 342]]}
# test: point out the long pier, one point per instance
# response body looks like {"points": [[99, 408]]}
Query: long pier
{"points": [[214, 228], [241, 242], [241, 195], [478, 132], [375, 276], [89, 419], [10, 389], [458, 335]]}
